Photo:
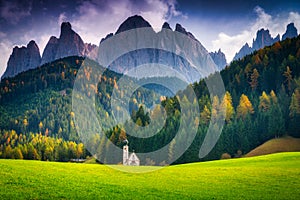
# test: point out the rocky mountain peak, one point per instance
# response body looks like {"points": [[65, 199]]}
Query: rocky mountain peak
{"points": [[32, 45], [180, 29], [166, 25], [66, 28], [106, 37], [133, 22], [53, 39], [291, 31], [139, 57], [69, 43], [23, 59], [264, 38], [219, 59], [245, 50]]}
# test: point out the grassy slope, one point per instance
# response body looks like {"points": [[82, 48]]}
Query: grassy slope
{"points": [[286, 144], [270, 177]]}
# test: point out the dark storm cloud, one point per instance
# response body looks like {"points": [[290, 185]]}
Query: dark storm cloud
{"points": [[216, 23], [235, 8], [13, 11]]}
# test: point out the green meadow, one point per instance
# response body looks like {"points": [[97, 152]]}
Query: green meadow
{"points": [[275, 176]]}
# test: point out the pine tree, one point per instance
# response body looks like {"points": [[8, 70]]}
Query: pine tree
{"points": [[295, 104], [288, 75], [254, 79]]}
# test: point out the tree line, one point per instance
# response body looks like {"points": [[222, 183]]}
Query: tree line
{"points": [[262, 101]]}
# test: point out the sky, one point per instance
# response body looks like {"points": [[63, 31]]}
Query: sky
{"points": [[215, 23]]}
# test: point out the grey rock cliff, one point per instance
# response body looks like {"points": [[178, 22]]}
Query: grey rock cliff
{"points": [[140, 57], [263, 39], [133, 22], [245, 50], [23, 59], [290, 32], [69, 43], [50, 50], [219, 59]]}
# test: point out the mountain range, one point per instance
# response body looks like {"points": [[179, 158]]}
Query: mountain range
{"points": [[166, 37], [263, 39], [70, 43]]}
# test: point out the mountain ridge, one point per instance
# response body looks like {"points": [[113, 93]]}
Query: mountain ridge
{"points": [[219, 59], [165, 37], [263, 39], [69, 43], [22, 59]]}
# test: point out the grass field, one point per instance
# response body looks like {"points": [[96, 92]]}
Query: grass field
{"points": [[285, 144], [275, 176]]}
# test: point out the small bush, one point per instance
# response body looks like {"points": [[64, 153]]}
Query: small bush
{"points": [[225, 156]]}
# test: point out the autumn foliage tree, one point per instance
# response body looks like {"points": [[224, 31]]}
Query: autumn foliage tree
{"points": [[227, 104], [264, 102], [245, 107]]}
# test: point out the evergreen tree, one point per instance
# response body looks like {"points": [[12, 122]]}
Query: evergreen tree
{"points": [[254, 79]]}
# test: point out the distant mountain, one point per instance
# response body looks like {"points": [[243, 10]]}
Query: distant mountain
{"points": [[245, 50], [290, 32], [23, 59], [133, 22], [263, 39], [49, 53], [69, 43], [219, 59], [91, 50], [139, 57]]}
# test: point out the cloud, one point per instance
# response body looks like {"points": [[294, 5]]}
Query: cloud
{"points": [[14, 11], [6, 49], [61, 18], [98, 18], [157, 12], [231, 44], [2, 34]]}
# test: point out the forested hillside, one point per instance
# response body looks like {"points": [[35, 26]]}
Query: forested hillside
{"points": [[262, 101]]}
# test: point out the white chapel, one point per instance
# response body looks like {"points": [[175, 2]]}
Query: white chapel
{"points": [[131, 160]]}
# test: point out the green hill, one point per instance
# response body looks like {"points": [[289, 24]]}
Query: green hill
{"points": [[265, 177], [286, 144]]}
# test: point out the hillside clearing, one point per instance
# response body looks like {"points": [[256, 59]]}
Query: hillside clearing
{"points": [[286, 144]]}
